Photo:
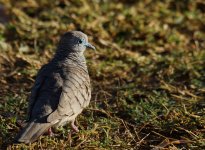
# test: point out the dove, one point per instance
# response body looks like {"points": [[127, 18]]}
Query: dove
{"points": [[61, 89]]}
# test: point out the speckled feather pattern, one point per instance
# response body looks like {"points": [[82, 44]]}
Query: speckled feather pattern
{"points": [[61, 90]]}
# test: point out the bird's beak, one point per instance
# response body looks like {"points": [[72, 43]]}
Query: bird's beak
{"points": [[88, 45]]}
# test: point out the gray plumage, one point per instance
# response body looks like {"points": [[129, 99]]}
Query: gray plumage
{"points": [[61, 90]]}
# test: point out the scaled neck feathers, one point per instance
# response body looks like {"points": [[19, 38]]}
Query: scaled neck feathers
{"points": [[65, 57]]}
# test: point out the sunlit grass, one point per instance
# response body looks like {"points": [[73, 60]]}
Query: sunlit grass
{"points": [[148, 73]]}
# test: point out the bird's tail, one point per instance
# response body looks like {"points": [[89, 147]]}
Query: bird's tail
{"points": [[31, 132]]}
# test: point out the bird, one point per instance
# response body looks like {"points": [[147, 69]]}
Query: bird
{"points": [[61, 90]]}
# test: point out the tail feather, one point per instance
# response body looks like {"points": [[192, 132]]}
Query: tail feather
{"points": [[32, 131]]}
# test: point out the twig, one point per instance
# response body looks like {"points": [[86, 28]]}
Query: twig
{"points": [[76, 147], [123, 122], [163, 135], [99, 110], [189, 132], [139, 143]]}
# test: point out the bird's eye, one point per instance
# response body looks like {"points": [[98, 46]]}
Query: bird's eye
{"points": [[80, 41]]}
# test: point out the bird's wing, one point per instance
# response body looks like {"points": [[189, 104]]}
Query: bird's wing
{"points": [[73, 97], [45, 94], [35, 89], [44, 99]]}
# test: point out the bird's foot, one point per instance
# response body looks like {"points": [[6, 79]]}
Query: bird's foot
{"points": [[21, 123], [74, 127], [50, 132]]}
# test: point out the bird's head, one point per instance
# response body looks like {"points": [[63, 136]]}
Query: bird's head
{"points": [[75, 41]]}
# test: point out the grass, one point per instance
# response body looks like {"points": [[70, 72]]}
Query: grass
{"points": [[148, 73]]}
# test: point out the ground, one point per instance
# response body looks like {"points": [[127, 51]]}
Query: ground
{"points": [[148, 72]]}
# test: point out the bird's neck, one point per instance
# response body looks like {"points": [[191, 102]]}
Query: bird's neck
{"points": [[71, 58]]}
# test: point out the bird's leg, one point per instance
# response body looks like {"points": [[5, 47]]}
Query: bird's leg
{"points": [[74, 127], [50, 132]]}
